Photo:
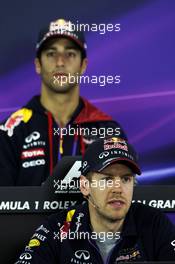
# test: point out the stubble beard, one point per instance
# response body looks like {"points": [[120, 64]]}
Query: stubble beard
{"points": [[110, 217], [62, 89], [58, 88]]}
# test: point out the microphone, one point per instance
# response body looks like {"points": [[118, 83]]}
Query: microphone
{"points": [[91, 201]]}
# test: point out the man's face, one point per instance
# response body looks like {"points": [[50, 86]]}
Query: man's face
{"points": [[112, 202], [58, 62]]}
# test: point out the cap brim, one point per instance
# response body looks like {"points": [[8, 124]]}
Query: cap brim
{"points": [[79, 43], [130, 163]]}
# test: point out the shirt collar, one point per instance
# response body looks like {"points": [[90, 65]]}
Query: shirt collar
{"points": [[129, 226]]}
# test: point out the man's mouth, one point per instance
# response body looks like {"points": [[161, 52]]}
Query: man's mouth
{"points": [[116, 203], [57, 74]]}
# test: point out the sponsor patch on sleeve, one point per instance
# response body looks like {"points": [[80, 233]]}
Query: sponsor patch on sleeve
{"points": [[15, 119], [34, 243]]}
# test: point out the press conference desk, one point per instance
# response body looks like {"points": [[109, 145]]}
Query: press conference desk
{"points": [[22, 209]]}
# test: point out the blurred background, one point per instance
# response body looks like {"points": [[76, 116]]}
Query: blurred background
{"points": [[142, 53]]}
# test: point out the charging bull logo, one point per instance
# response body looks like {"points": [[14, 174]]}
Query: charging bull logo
{"points": [[60, 25], [114, 140], [15, 119]]}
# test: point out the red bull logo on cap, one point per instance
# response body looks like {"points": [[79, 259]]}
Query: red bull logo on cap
{"points": [[15, 119], [115, 143]]}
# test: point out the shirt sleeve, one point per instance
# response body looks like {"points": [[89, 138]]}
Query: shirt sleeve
{"points": [[42, 247], [9, 166]]}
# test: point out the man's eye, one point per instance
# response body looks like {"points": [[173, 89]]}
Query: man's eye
{"points": [[50, 54], [108, 178], [126, 179], [71, 54]]}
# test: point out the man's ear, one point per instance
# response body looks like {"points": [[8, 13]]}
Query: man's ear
{"points": [[84, 65], [84, 185], [37, 65]]}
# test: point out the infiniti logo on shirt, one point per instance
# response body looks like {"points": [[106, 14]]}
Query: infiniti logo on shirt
{"points": [[82, 254], [173, 243], [25, 256], [81, 257], [35, 135]]}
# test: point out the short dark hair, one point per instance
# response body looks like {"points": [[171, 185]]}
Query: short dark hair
{"points": [[89, 176], [90, 173], [50, 41]]}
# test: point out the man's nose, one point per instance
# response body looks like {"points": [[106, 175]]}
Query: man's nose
{"points": [[117, 187], [60, 60]]}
